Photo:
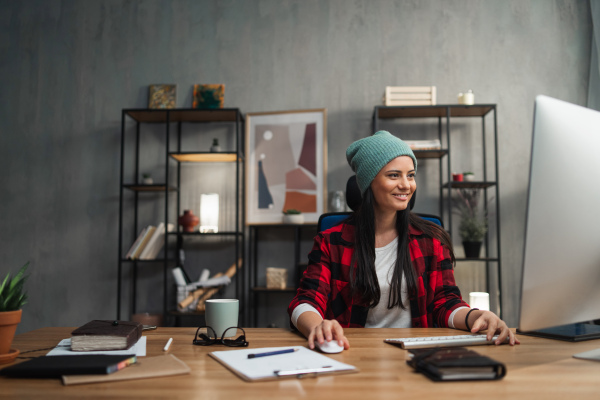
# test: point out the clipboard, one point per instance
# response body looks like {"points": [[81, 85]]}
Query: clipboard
{"points": [[301, 363]]}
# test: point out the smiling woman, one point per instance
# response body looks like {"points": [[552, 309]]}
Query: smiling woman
{"points": [[384, 267]]}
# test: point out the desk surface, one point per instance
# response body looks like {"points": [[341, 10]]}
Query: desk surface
{"points": [[538, 368]]}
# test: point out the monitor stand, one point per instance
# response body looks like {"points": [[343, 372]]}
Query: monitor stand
{"points": [[571, 332]]}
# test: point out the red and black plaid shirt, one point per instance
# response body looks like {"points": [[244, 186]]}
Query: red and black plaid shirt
{"points": [[326, 285]]}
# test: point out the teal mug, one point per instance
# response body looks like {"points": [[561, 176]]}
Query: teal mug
{"points": [[221, 314]]}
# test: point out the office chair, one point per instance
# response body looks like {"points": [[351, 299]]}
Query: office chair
{"points": [[353, 199]]}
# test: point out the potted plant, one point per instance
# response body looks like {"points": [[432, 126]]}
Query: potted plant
{"points": [[293, 216], [12, 299], [469, 176], [473, 224]]}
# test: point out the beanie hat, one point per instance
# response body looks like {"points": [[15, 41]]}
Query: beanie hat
{"points": [[368, 155]]}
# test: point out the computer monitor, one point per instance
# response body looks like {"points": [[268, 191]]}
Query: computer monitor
{"points": [[560, 286]]}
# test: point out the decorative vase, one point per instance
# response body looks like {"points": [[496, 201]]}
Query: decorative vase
{"points": [[188, 221], [215, 148], [8, 326], [472, 249], [293, 218]]}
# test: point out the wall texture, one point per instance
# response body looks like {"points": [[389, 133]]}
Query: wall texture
{"points": [[69, 67]]}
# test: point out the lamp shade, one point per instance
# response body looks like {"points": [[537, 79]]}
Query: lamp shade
{"points": [[209, 213]]}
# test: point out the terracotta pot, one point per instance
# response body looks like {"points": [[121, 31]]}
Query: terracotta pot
{"points": [[188, 221], [8, 326]]}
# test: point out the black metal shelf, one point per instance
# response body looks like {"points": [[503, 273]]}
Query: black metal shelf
{"points": [[149, 188], [447, 112], [173, 120], [469, 185]]}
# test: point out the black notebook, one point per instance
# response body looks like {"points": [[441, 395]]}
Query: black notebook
{"points": [[56, 366], [455, 364]]}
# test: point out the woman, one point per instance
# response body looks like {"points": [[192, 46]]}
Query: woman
{"points": [[384, 266]]}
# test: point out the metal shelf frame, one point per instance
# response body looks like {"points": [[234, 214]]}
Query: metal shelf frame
{"points": [[167, 118], [445, 113]]}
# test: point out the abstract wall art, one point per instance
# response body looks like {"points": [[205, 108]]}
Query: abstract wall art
{"points": [[208, 96], [286, 167], [162, 96]]}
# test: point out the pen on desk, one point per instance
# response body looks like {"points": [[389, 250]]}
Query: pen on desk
{"points": [[271, 353], [168, 344]]}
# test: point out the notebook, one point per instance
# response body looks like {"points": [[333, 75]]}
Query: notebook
{"points": [[105, 335], [56, 366]]}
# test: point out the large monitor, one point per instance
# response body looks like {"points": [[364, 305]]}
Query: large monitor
{"points": [[560, 286]]}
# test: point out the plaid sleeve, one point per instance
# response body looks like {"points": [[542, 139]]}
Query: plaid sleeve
{"points": [[315, 284], [438, 294], [325, 283]]}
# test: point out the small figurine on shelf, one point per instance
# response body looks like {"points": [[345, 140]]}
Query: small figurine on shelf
{"points": [[215, 148], [147, 179], [293, 216]]}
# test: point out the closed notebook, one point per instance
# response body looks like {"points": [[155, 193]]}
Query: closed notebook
{"points": [[455, 364], [56, 366], [106, 335]]}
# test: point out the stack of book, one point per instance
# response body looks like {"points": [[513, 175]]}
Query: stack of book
{"points": [[149, 242]]}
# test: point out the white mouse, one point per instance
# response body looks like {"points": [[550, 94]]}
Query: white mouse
{"points": [[329, 347]]}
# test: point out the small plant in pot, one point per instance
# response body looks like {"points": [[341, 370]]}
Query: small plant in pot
{"points": [[12, 298], [293, 216], [473, 224]]}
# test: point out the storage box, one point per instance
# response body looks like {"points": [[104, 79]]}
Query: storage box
{"points": [[276, 278], [410, 96]]}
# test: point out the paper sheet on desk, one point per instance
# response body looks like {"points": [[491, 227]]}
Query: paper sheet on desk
{"points": [[262, 368], [64, 349]]}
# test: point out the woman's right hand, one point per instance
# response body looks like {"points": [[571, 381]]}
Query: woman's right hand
{"points": [[327, 330]]}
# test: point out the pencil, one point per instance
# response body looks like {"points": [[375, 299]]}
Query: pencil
{"points": [[271, 353]]}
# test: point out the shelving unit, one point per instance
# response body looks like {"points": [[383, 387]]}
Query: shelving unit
{"points": [[444, 114], [254, 240], [173, 153]]}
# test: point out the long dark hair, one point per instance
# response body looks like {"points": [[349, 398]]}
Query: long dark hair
{"points": [[363, 277]]}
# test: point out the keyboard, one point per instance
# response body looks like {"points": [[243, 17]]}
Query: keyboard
{"points": [[442, 341]]}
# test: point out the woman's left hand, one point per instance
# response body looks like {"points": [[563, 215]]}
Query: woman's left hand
{"points": [[490, 322]]}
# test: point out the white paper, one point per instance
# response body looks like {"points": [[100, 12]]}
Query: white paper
{"points": [[64, 349], [265, 367]]}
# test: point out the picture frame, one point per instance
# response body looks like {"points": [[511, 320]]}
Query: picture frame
{"points": [[286, 165]]}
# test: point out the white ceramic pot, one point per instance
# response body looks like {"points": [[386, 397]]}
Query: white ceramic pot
{"points": [[293, 218]]}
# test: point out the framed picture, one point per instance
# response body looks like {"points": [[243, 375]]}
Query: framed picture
{"points": [[286, 168], [162, 96]]}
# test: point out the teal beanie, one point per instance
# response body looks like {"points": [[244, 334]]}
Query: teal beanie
{"points": [[368, 155]]}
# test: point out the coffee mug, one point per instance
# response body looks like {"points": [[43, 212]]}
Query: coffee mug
{"points": [[221, 314]]}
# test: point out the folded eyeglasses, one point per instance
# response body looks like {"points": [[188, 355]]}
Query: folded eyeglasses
{"points": [[232, 337]]}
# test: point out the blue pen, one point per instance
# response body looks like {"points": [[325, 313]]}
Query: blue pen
{"points": [[272, 353]]}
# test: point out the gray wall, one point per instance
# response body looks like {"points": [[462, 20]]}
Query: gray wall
{"points": [[69, 67]]}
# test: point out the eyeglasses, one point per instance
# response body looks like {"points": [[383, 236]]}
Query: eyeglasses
{"points": [[232, 337]]}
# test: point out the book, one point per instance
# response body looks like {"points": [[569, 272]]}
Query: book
{"points": [[147, 235], [148, 367], [156, 242], [298, 362], [105, 335], [56, 366], [455, 364], [136, 244]]}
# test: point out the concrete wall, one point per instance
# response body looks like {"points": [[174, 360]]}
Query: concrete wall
{"points": [[69, 67]]}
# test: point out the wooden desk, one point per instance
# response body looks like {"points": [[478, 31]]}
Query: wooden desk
{"points": [[537, 369]]}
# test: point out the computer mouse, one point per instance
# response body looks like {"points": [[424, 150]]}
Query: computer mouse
{"points": [[329, 347]]}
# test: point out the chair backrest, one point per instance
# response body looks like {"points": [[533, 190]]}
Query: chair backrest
{"points": [[353, 199]]}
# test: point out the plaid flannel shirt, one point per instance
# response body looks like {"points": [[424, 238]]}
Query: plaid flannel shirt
{"points": [[326, 286]]}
